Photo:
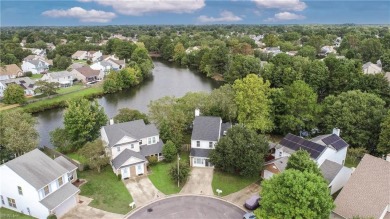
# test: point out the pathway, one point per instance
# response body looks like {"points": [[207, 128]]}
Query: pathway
{"points": [[142, 190], [241, 196], [199, 182]]}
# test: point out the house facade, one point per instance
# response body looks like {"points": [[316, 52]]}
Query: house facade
{"points": [[94, 56], [87, 74], [36, 191], [64, 78], [10, 71], [206, 132], [79, 55], [35, 66], [129, 145], [26, 83]]}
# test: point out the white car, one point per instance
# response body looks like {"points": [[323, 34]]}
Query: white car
{"points": [[249, 215]]}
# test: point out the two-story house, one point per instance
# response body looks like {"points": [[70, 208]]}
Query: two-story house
{"points": [[87, 74], [206, 132], [36, 185], [94, 56], [64, 78], [10, 71], [26, 83], [129, 144], [36, 66]]}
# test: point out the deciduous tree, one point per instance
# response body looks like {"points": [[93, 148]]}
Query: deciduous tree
{"points": [[14, 94], [60, 140], [95, 154], [47, 88], [384, 137], [300, 160], [127, 115], [169, 151]]}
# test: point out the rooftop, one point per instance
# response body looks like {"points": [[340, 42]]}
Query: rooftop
{"points": [[206, 128]]}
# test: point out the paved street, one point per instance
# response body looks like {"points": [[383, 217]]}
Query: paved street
{"points": [[142, 190], [189, 207], [199, 182]]}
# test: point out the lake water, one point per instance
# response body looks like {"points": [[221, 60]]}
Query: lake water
{"points": [[168, 80]]}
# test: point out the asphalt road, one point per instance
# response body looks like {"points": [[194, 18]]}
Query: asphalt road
{"points": [[187, 207]]}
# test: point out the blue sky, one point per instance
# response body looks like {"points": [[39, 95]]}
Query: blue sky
{"points": [[134, 12]]}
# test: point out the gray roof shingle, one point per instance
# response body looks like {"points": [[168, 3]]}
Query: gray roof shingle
{"points": [[65, 163], [206, 128], [36, 168], [124, 156], [59, 196], [198, 152], [330, 170], [147, 150], [135, 129]]}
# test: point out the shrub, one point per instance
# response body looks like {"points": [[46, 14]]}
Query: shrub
{"points": [[152, 160], [28, 74], [169, 151], [119, 177], [184, 171], [52, 216]]}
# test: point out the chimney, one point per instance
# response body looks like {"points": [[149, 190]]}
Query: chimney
{"points": [[197, 112], [336, 131], [111, 121]]}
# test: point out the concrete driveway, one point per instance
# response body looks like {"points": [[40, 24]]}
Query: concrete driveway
{"points": [[199, 182], [241, 196], [142, 190], [83, 211]]}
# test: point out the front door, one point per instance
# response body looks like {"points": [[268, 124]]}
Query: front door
{"points": [[139, 169], [125, 172]]}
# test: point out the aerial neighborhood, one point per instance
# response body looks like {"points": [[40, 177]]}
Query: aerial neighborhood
{"points": [[283, 120]]}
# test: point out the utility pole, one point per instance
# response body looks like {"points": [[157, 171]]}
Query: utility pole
{"points": [[178, 171]]}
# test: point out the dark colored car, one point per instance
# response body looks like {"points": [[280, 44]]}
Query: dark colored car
{"points": [[253, 202]]}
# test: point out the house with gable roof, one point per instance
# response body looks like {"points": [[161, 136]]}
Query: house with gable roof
{"points": [[64, 78], [26, 83], [36, 185], [129, 145], [10, 71], [206, 132], [35, 66]]}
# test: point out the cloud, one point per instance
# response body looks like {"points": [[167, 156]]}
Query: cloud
{"points": [[289, 5], [285, 16], [82, 14], [225, 16], [140, 7]]}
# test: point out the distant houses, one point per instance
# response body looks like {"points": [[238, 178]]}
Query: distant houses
{"points": [[64, 78], [86, 74], [371, 68], [10, 71], [26, 83], [36, 66], [92, 56]]}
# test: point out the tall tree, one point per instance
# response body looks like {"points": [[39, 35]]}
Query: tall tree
{"points": [[17, 131], [127, 115], [95, 154], [60, 140], [47, 88], [169, 151], [371, 50], [308, 51], [357, 114], [384, 137], [253, 103], [178, 52], [14, 94], [83, 120], [295, 194], [385, 60], [241, 151], [61, 62], [300, 160], [240, 66]]}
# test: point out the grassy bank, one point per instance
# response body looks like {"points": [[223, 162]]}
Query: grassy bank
{"points": [[230, 183], [108, 193], [8, 214]]}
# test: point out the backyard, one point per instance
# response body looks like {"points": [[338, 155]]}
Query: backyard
{"points": [[8, 214], [108, 193], [162, 180], [230, 183]]}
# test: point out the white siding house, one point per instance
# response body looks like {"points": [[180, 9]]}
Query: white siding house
{"points": [[64, 78], [129, 145], [36, 66], [36, 185], [26, 83]]}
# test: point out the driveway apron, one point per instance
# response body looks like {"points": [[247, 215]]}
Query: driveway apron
{"points": [[142, 190], [199, 182]]}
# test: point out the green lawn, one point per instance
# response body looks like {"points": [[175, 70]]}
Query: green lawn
{"points": [[77, 157], [230, 183], [350, 162], [8, 214], [65, 90], [108, 193], [162, 180], [36, 76]]}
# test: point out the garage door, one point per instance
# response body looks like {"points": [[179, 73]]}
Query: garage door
{"points": [[65, 207]]}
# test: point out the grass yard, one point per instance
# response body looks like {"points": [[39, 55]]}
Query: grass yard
{"points": [[4, 106], [77, 157], [36, 76], [230, 183], [8, 214], [351, 162], [162, 180], [108, 193], [65, 90]]}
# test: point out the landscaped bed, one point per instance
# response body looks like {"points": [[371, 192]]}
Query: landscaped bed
{"points": [[8, 214], [108, 193], [230, 183]]}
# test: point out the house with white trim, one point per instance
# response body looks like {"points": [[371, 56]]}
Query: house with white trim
{"points": [[10, 71], [26, 83], [64, 78], [206, 132], [129, 145], [36, 66], [36, 185]]}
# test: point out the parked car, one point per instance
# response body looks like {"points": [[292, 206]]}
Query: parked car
{"points": [[249, 215], [253, 202]]}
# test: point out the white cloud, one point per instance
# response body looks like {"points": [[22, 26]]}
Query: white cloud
{"points": [[82, 14], [225, 16], [285, 16], [140, 7], [290, 5], [257, 12]]}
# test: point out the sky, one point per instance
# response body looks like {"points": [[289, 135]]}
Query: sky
{"points": [[195, 12]]}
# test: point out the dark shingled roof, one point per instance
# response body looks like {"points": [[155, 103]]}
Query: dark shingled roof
{"points": [[126, 154], [206, 128], [147, 150], [36, 168], [295, 143], [197, 152], [135, 129], [59, 196], [330, 170]]}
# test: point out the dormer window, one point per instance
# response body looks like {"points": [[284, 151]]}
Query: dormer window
{"points": [[280, 153], [210, 144], [149, 140], [197, 143], [20, 190], [60, 181], [46, 190]]}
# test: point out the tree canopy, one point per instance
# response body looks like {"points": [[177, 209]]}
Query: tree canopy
{"points": [[14, 94], [300, 160], [127, 115], [384, 136]]}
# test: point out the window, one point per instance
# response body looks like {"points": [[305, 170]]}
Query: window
{"points": [[70, 177], [140, 142], [210, 144], [2, 200], [154, 140], [11, 202], [132, 146], [46, 190], [20, 190], [197, 143], [28, 210], [198, 161], [280, 153], [60, 181], [149, 140], [118, 149]]}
